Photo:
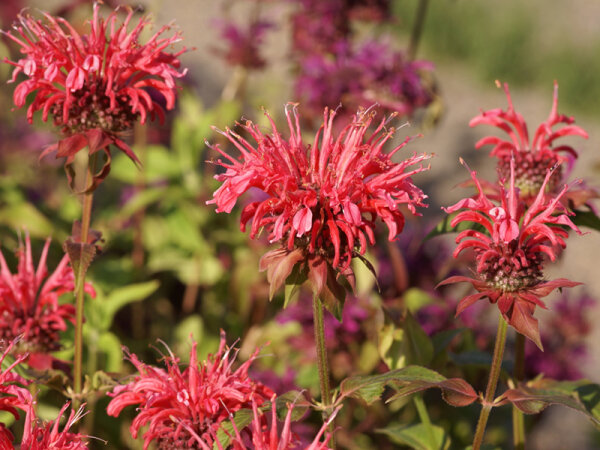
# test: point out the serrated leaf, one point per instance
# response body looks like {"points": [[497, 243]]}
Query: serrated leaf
{"points": [[418, 437], [534, 397], [295, 398], [586, 219], [81, 256], [406, 381]]}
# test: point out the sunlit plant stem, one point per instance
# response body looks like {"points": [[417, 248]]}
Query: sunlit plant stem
{"points": [[86, 216], [492, 383], [519, 375], [322, 359]]}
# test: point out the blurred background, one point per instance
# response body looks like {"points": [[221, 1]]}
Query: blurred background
{"points": [[172, 266]]}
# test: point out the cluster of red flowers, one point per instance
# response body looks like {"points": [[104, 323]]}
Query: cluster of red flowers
{"points": [[15, 396], [523, 220], [93, 85], [321, 200], [29, 307]]}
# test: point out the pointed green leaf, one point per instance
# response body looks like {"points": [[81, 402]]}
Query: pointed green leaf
{"points": [[586, 219], [241, 419], [406, 381], [418, 436], [535, 396], [444, 227]]}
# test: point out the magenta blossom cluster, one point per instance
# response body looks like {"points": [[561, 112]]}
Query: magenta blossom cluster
{"points": [[95, 85], [511, 248], [242, 44], [321, 200], [184, 408], [29, 306], [15, 396], [359, 76]]}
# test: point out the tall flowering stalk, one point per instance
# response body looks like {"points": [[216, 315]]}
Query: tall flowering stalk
{"points": [[185, 408], [95, 86], [509, 253], [321, 202]]}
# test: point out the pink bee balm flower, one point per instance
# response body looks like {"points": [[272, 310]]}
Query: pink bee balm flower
{"points": [[183, 408], [533, 158], [29, 306], [510, 250], [269, 437], [13, 393], [39, 436], [94, 85], [321, 200]]}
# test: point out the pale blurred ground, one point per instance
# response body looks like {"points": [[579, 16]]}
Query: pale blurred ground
{"points": [[573, 22]]}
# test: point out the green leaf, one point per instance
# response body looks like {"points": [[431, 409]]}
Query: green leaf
{"points": [[121, 297], [418, 437], [444, 227], [407, 381], [415, 299], [293, 283], [241, 419], [18, 214], [110, 345], [442, 340], [586, 219], [535, 396], [404, 344]]}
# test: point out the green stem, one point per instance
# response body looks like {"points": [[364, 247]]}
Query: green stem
{"points": [[519, 376], [492, 383], [322, 361], [424, 416], [417, 30], [86, 216]]}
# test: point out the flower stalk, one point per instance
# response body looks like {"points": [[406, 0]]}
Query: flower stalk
{"points": [[492, 383], [86, 217], [519, 375], [322, 362]]}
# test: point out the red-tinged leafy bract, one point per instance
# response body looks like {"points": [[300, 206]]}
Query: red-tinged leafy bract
{"points": [[14, 394], [185, 408], [511, 250], [407, 381], [43, 436], [322, 200], [95, 86], [534, 158], [29, 307]]}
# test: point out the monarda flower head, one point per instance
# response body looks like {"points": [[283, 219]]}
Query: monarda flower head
{"points": [[322, 200], [95, 86], [43, 436], [14, 394], [534, 158], [185, 408], [29, 306], [510, 249]]}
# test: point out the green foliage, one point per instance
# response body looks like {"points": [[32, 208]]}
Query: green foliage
{"points": [[418, 436]]}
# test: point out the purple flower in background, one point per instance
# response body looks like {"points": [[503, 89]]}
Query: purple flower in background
{"points": [[243, 43], [362, 76], [564, 338]]}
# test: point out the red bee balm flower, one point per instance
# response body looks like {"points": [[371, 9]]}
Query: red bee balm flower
{"points": [[322, 200], [13, 393], [94, 85], [510, 250], [29, 305], [38, 436], [533, 159], [185, 408]]}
